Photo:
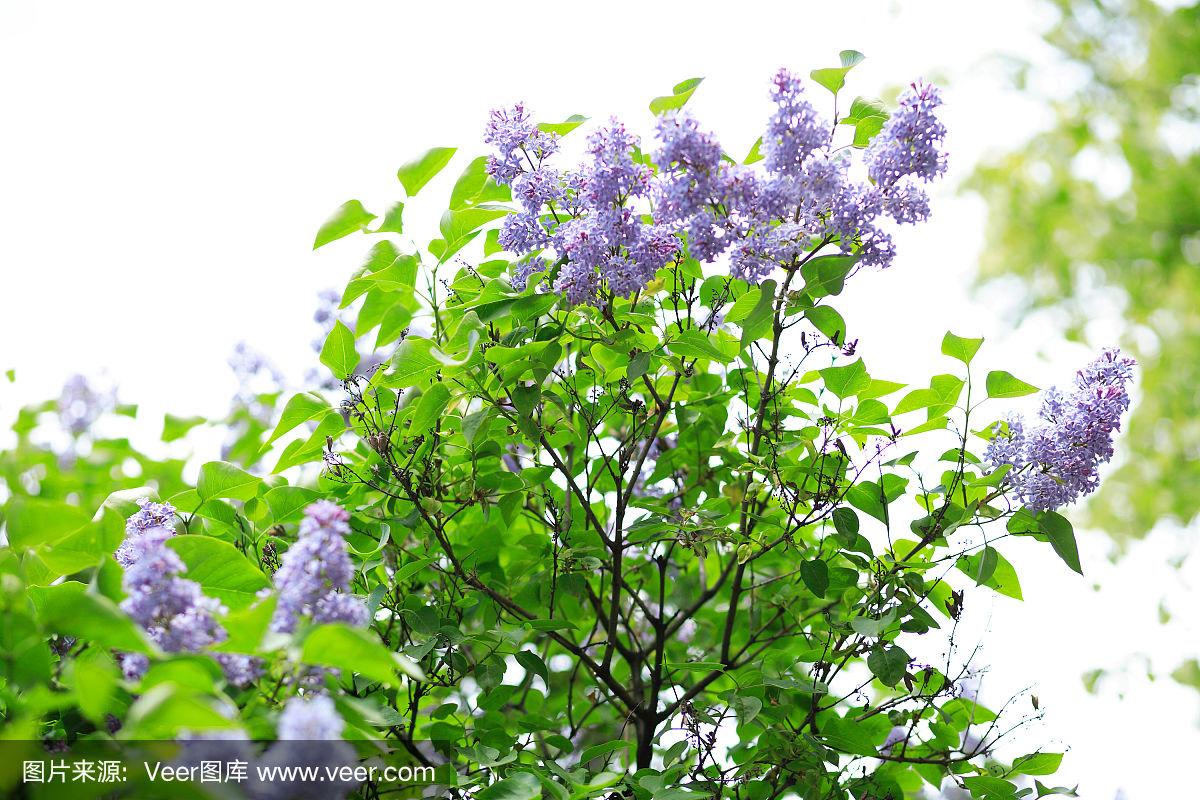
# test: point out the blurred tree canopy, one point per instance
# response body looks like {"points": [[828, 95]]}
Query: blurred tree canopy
{"points": [[1107, 198]]}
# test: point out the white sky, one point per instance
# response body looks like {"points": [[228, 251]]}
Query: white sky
{"points": [[164, 167]]}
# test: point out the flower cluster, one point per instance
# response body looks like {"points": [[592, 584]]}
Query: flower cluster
{"points": [[587, 217], [1056, 460], [171, 609], [518, 141], [593, 221], [310, 719], [155, 520], [314, 578]]}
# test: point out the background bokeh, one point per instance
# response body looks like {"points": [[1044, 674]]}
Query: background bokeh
{"points": [[164, 167]]}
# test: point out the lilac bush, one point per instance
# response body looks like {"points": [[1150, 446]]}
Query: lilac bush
{"points": [[623, 512]]}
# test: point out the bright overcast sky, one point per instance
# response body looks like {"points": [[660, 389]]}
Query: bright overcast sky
{"points": [[164, 166]]}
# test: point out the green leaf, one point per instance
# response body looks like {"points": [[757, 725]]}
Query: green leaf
{"points": [[220, 568], [169, 708], [834, 78], [828, 321], [517, 786], [285, 502], [1061, 534], [429, 408], [816, 576], [393, 220], [753, 312], [175, 428], [986, 565], [1038, 764], [600, 750], [986, 787], [958, 347], [851, 58], [697, 344], [547, 625], [677, 99], [70, 608], [460, 227], [1001, 384], [475, 186], [866, 496], [847, 380], [412, 363], [418, 172], [1002, 577], [339, 352], [888, 663], [845, 522], [532, 662], [866, 130], [300, 409], [826, 275], [32, 521], [355, 650], [755, 154], [248, 626], [848, 736], [563, 128], [222, 479], [862, 108], [350, 217], [410, 569]]}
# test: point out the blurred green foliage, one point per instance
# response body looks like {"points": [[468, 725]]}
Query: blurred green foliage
{"points": [[1106, 198]]}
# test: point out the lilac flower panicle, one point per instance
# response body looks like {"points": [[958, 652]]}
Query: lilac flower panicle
{"points": [[523, 233], [240, 670], [156, 520], [1056, 461], [309, 734], [613, 175], [795, 131], [150, 515], [314, 578], [340, 607], [910, 142], [173, 610], [309, 719], [519, 143]]}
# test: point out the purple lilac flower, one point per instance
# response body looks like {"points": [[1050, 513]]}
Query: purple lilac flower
{"points": [[314, 579], [309, 734], [794, 131], [172, 610], [1056, 460], [133, 665], [80, 404], [689, 160], [310, 719], [523, 233], [613, 176], [591, 226], [590, 221], [240, 670], [156, 520], [519, 143], [910, 141]]}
